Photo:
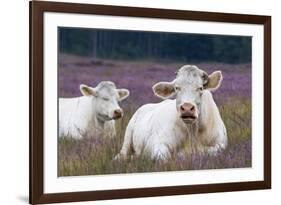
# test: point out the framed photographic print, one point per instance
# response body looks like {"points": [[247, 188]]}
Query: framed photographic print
{"points": [[138, 102]]}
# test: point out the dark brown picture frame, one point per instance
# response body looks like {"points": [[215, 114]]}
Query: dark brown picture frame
{"points": [[37, 9]]}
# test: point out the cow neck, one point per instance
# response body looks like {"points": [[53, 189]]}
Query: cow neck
{"points": [[191, 136], [192, 130]]}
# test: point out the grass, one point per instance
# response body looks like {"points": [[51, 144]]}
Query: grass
{"points": [[93, 156]]}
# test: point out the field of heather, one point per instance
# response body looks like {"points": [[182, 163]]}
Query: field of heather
{"points": [[94, 156]]}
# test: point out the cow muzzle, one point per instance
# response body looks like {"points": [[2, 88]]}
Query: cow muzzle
{"points": [[188, 113], [118, 113]]}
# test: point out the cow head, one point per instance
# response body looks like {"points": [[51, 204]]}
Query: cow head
{"points": [[106, 97], [188, 88]]}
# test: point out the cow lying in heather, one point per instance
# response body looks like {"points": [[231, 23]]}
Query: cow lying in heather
{"points": [[161, 129], [93, 114]]}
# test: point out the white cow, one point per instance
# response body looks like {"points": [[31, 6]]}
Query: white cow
{"points": [[93, 114], [162, 128]]}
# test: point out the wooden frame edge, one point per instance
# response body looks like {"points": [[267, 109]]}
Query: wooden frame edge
{"points": [[153, 192], [267, 101], [36, 102]]}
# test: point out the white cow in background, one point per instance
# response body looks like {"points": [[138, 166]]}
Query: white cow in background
{"points": [[93, 114], [162, 128]]}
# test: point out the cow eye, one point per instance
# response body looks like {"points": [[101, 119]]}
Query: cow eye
{"points": [[200, 89], [177, 88], [105, 99]]}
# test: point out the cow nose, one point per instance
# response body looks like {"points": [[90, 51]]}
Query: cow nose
{"points": [[117, 113], [187, 108]]}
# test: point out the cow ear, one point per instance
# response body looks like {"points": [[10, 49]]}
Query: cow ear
{"points": [[213, 81], [88, 91], [123, 94], [164, 90]]}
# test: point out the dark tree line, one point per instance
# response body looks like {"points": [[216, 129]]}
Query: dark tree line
{"points": [[137, 45]]}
